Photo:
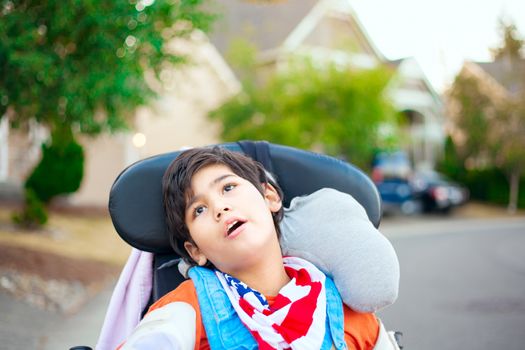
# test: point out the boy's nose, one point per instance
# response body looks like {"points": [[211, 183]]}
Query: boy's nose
{"points": [[220, 210]]}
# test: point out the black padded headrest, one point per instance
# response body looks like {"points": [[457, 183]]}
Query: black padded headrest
{"points": [[135, 200]]}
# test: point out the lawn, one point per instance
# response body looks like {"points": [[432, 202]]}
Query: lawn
{"points": [[84, 236]]}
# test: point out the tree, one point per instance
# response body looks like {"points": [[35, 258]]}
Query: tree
{"points": [[492, 122], [329, 109], [81, 66], [451, 164], [511, 46]]}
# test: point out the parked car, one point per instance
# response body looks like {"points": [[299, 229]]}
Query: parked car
{"points": [[387, 165], [408, 192], [398, 196], [391, 173], [437, 193]]}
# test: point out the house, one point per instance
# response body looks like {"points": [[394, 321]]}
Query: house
{"points": [[19, 151], [330, 31], [501, 80], [424, 110], [324, 30]]}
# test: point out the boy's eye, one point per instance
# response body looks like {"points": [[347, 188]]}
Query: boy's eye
{"points": [[228, 187], [199, 210]]}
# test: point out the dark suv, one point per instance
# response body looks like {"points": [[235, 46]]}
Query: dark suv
{"points": [[437, 192], [391, 173], [403, 190]]}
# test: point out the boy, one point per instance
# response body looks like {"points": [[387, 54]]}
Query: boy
{"points": [[222, 213]]}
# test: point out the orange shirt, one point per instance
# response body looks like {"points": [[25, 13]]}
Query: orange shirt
{"points": [[361, 330]]}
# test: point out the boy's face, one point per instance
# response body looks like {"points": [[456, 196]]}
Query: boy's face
{"points": [[229, 220]]}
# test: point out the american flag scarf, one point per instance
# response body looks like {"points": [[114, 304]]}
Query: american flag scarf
{"points": [[296, 319]]}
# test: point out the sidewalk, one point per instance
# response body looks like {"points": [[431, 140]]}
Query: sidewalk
{"points": [[81, 328], [23, 326], [26, 327]]}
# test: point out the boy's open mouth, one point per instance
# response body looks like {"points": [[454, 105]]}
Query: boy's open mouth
{"points": [[234, 225]]}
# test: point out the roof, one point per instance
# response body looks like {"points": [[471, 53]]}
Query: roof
{"points": [[509, 75], [395, 63], [420, 76], [266, 25]]}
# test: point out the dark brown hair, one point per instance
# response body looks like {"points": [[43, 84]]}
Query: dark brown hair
{"points": [[176, 185]]}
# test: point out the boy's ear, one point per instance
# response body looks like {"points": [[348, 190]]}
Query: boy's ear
{"points": [[195, 253], [272, 198]]}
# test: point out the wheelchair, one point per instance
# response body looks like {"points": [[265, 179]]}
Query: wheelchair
{"points": [[136, 205]]}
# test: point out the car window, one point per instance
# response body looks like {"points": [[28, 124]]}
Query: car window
{"points": [[392, 165]]}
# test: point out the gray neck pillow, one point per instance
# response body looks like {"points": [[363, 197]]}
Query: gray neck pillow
{"points": [[331, 229]]}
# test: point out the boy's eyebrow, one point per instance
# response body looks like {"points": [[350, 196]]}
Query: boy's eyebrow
{"points": [[193, 199]]}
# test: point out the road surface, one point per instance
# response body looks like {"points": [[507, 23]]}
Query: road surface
{"points": [[462, 284]]}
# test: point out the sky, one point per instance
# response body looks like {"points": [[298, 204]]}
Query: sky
{"points": [[440, 34]]}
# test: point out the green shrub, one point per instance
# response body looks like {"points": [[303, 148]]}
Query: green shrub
{"points": [[488, 185], [491, 185], [34, 213], [451, 164], [59, 171]]}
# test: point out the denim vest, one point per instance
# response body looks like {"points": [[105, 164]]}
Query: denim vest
{"points": [[224, 329]]}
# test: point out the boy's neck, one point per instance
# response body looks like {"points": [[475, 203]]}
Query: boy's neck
{"points": [[267, 278]]}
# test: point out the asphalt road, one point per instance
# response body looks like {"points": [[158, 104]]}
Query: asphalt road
{"points": [[462, 284], [462, 287]]}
